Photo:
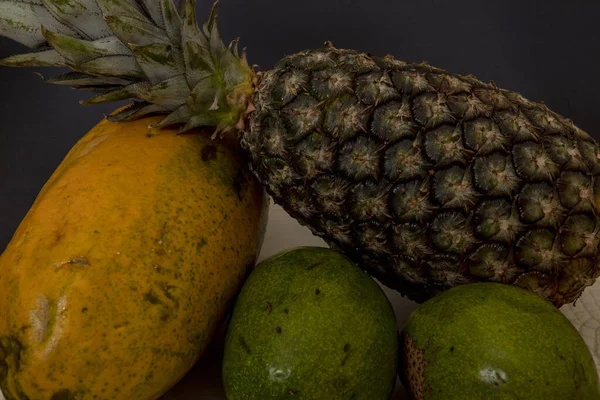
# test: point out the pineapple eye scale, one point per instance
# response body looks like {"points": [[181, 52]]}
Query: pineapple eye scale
{"points": [[516, 126], [488, 261], [469, 107], [410, 202], [577, 191], [302, 116], [404, 161], [484, 136], [444, 145], [290, 85], [331, 84], [376, 88], [393, 121], [369, 201], [494, 175], [451, 232], [359, 159], [533, 247], [346, 118], [374, 237], [493, 98], [411, 82], [453, 188], [431, 110], [536, 202], [577, 235], [532, 162]]}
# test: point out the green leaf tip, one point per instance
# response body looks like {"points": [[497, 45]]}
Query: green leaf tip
{"points": [[153, 52]]}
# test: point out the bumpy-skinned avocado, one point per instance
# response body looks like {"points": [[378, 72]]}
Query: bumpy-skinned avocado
{"points": [[494, 341], [310, 324]]}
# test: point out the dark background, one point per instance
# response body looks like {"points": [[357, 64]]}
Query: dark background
{"points": [[546, 50]]}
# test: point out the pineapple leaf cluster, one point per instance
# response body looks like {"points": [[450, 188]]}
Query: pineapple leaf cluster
{"points": [[146, 50]]}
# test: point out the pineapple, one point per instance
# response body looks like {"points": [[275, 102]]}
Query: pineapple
{"points": [[424, 178]]}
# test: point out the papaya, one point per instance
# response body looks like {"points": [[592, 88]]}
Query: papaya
{"points": [[126, 263]]}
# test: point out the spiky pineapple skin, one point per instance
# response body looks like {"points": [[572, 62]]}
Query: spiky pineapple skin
{"points": [[428, 179]]}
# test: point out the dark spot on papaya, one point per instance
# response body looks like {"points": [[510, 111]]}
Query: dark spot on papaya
{"points": [[57, 236], [346, 347], [292, 392], [240, 183], [64, 394], [286, 311], [10, 352], [151, 298], [121, 325], [451, 349], [313, 266], [278, 329], [318, 291], [168, 291], [84, 310], [209, 152], [165, 316], [244, 344], [268, 308], [200, 245]]}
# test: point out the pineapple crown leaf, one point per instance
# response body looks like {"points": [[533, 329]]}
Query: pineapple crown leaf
{"points": [[150, 51]]}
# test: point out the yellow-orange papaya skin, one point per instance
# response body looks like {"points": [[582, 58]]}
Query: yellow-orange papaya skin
{"points": [[128, 260]]}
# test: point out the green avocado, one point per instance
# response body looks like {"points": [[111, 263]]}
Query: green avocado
{"points": [[494, 341], [309, 324]]}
